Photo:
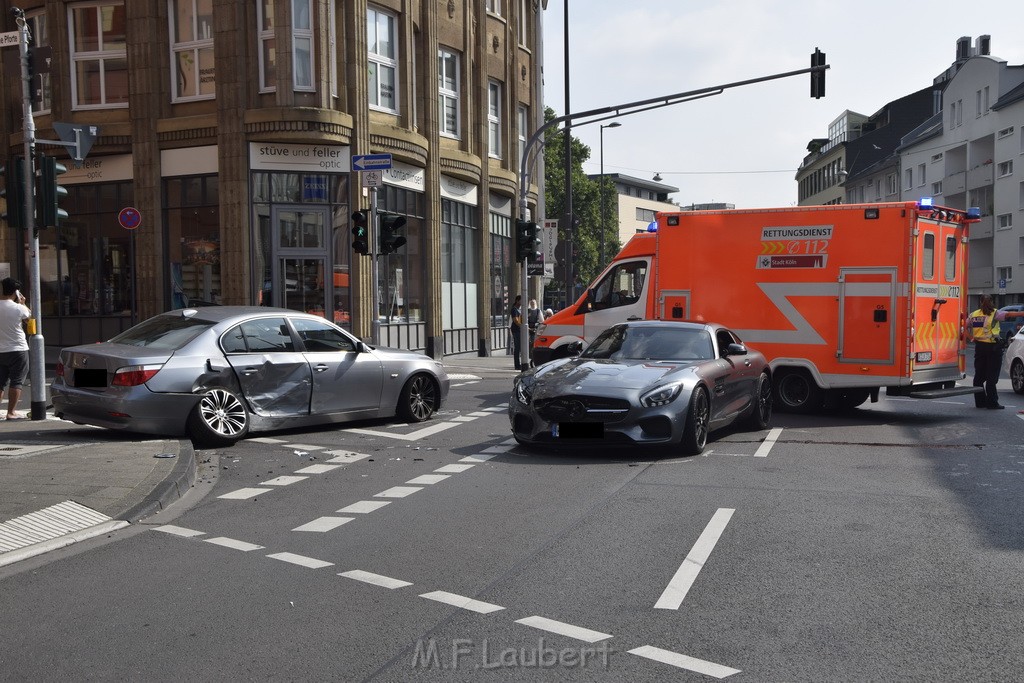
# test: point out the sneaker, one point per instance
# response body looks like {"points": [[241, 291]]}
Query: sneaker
{"points": [[996, 406]]}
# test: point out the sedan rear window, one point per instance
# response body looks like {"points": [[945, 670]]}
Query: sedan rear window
{"points": [[167, 333]]}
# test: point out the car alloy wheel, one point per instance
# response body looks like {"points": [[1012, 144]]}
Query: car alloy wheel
{"points": [[220, 417], [698, 420], [418, 399], [1017, 375]]}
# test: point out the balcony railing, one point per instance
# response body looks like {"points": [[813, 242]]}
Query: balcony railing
{"points": [[980, 176], [954, 183]]}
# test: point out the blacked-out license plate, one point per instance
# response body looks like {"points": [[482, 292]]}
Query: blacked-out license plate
{"points": [[91, 378], [578, 430]]}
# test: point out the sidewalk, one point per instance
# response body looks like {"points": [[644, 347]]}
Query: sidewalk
{"points": [[61, 482]]}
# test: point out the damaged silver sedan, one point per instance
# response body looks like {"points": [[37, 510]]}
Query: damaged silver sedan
{"points": [[216, 373]]}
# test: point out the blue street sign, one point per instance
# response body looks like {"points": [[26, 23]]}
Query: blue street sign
{"points": [[371, 162]]}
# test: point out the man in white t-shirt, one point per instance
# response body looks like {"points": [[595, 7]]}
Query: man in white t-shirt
{"points": [[13, 344]]}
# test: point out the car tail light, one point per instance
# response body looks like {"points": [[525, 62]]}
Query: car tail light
{"points": [[134, 375], [59, 371]]}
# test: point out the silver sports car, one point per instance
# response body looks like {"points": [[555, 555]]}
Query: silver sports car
{"points": [[215, 373], [645, 382]]}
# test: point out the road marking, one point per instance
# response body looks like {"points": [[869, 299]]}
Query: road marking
{"points": [[687, 573], [300, 560], [398, 492], [464, 418], [266, 439], [683, 661], [304, 447], [498, 449], [323, 524], [375, 579], [317, 469], [769, 441], [178, 531], [462, 602], [462, 376], [412, 436], [479, 413], [564, 629], [365, 506], [345, 457], [232, 543], [454, 469], [242, 494], [428, 479], [477, 458], [284, 480]]}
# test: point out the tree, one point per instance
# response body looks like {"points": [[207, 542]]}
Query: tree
{"points": [[586, 205]]}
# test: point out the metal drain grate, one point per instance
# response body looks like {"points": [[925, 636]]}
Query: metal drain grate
{"points": [[46, 524]]}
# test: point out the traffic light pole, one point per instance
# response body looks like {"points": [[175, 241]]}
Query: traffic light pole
{"points": [[36, 344], [372, 230]]}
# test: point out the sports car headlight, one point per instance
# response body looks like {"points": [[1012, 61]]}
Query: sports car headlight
{"points": [[522, 392], [661, 395]]}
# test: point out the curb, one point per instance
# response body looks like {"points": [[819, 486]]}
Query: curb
{"points": [[181, 479]]}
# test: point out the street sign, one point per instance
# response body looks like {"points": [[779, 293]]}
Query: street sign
{"points": [[129, 218], [371, 162], [372, 178], [85, 134], [1002, 283], [10, 38]]}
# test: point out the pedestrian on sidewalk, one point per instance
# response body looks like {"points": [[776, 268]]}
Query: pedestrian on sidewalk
{"points": [[515, 325], [534, 317], [988, 350], [13, 344]]}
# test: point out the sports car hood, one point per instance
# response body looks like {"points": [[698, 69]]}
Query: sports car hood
{"points": [[586, 375]]}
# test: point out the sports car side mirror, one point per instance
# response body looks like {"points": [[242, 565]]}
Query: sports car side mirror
{"points": [[735, 350]]}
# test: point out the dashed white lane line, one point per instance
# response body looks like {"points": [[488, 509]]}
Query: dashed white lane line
{"points": [[687, 573], [365, 506], [769, 441], [477, 458], [232, 543], [300, 560], [479, 413], [428, 479], [266, 439], [564, 629], [398, 492], [463, 418], [284, 480], [454, 469], [375, 579], [317, 469], [243, 494], [462, 602], [683, 661], [345, 457], [322, 524], [412, 436], [179, 531], [305, 447]]}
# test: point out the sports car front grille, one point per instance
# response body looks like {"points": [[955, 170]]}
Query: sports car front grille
{"points": [[581, 409]]}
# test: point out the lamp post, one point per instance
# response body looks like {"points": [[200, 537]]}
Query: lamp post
{"points": [[604, 227]]}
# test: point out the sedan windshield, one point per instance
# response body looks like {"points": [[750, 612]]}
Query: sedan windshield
{"points": [[651, 343], [163, 332]]}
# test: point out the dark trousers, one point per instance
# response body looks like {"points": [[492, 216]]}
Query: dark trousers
{"points": [[516, 346], [988, 361]]}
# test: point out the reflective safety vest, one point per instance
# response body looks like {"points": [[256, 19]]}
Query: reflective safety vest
{"points": [[984, 328]]}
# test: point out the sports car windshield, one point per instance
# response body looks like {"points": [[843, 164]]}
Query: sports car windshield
{"points": [[651, 343], [163, 332]]}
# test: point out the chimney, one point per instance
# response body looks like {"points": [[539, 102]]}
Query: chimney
{"points": [[963, 48], [984, 45]]}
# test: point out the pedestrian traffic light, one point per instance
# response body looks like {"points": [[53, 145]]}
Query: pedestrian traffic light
{"points": [[360, 235], [527, 241], [50, 193], [818, 77], [13, 190], [390, 240]]}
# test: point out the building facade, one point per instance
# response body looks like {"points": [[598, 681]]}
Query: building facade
{"points": [[231, 127]]}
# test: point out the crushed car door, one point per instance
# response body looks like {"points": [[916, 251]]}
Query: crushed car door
{"points": [[274, 376]]}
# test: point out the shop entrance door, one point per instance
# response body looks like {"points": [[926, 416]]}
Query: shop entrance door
{"points": [[301, 260]]}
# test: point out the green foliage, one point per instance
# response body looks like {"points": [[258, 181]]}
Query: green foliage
{"points": [[586, 205]]}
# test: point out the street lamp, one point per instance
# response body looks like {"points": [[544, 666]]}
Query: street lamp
{"points": [[613, 124]]}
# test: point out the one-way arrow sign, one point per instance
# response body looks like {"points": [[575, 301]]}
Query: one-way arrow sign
{"points": [[371, 162]]}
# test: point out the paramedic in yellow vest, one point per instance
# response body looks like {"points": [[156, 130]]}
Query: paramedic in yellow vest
{"points": [[983, 329]]}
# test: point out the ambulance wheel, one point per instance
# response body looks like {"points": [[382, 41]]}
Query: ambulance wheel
{"points": [[698, 422], [845, 399], [1017, 376], [796, 392]]}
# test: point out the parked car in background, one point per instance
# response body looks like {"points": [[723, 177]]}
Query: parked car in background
{"points": [[645, 382], [1009, 327], [1013, 359], [216, 373]]}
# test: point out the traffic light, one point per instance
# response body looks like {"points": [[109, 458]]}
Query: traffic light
{"points": [[360, 234], [390, 240], [13, 190], [818, 77], [527, 240], [50, 193]]}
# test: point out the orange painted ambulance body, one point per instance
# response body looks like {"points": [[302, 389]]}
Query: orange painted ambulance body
{"points": [[842, 299]]}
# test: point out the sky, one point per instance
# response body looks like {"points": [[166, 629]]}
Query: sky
{"points": [[743, 147]]}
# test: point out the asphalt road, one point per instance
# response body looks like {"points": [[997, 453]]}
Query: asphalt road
{"points": [[882, 544]]}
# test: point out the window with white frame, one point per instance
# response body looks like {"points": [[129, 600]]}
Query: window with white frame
{"points": [[908, 179], [448, 91], [42, 86], [493, 6], [937, 157], [99, 62], [494, 119], [383, 53], [268, 45], [1005, 168], [920, 175], [1005, 132], [891, 187], [1004, 221], [332, 42], [302, 44], [192, 65], [1020, 250], [523, 130], [977, 104], [937, 187], [1004, 273], [524, 22]]}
